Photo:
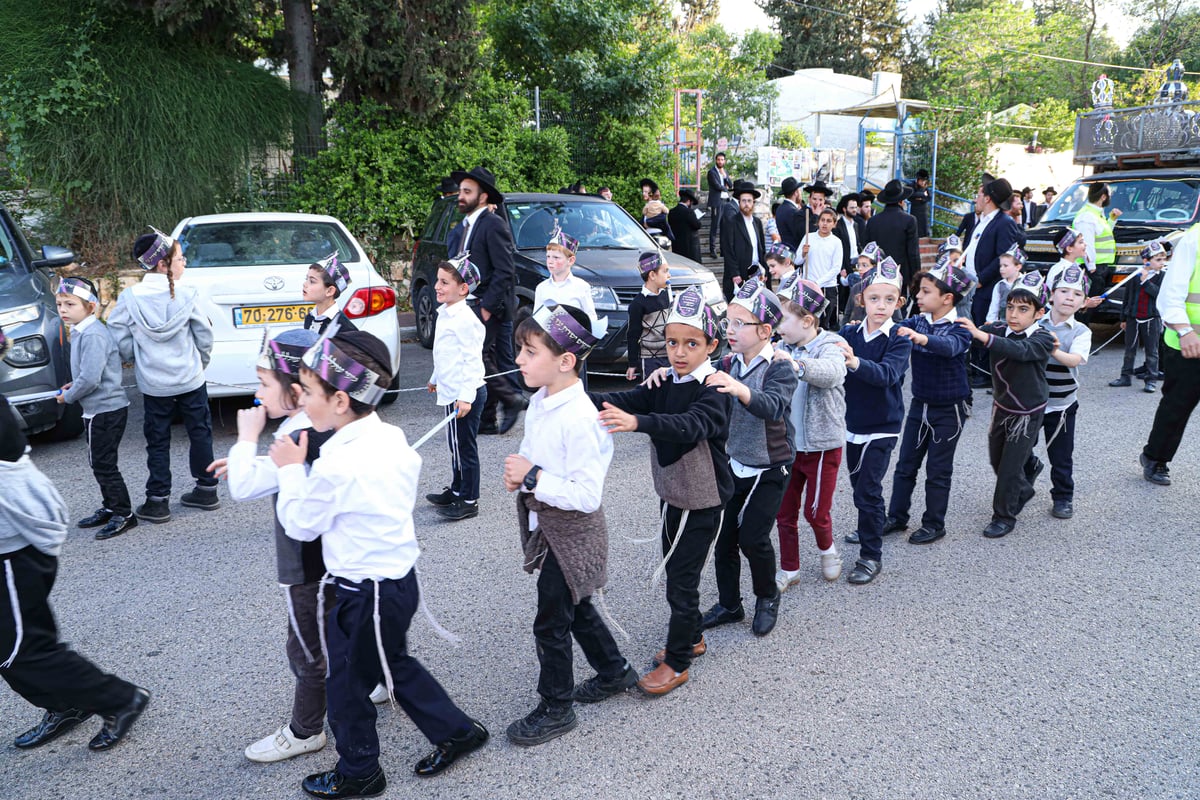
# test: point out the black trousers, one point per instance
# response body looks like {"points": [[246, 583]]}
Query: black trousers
{"points": [[1059, 429], [749, 517], [921, 212], [931, 434], [159, 413], [1180, 394], [558, 620], [717, 209], [867, 464], [829, 319], [355, 670], [683, 577], [497, 358], [44, 670], [305, 657], [1148, 333], [1010, 441], [104, 432], [462, 436]]}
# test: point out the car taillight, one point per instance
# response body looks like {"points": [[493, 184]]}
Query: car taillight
{"points": [[369, 302]]}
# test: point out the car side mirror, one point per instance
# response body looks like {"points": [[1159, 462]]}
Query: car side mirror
{"points": [[53, 256]]}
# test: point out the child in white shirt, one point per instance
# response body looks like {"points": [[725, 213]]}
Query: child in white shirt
{"points": [[822, 258], [563, 287], [1012, 263]]}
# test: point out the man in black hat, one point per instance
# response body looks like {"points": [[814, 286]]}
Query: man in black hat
{"points": [[896, 231], [991, 236], [969, 219], [818, 199], [743, 241], [650, 190], [719, 188], [685, 225], [447, 187], [485, 235], [918, 203], [866, 205], [851, 229], [789, 218]]}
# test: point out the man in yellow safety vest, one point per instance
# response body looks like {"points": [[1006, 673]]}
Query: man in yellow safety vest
{"points": [[1097, 229]]}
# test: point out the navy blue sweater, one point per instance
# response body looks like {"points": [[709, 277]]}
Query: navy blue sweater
{"points": [[939, 368], [874, 397]]}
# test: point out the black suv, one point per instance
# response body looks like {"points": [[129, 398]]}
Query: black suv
{"points": [[609, 243], [39, 360]]}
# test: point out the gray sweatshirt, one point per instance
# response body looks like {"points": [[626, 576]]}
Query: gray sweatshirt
{"points": [[818, 408], [95, 370], [168, 338], [32, 512]]}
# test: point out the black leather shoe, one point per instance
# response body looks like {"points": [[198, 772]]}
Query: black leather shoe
{"points": [[720, 615], [97, 518], [997, 528], [116, 526], [459, 509], [1155, 471], [443, 498], [154, 510], [1151, 387], [488, 429], [447, 752], [335, 784], [512, 412], [893, 525], [116, 727], [53, 725], [1122, 381], [595, 688], [924, 535], [1139, 373], [865, 570], [201, 497], [766, 613], [541, 725], [852, 538], [1063, 509]]}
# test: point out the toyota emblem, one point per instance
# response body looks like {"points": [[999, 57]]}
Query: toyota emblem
{"points": [[274, 283]]}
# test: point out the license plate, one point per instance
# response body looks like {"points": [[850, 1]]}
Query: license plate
{"points": [[249, 316]]}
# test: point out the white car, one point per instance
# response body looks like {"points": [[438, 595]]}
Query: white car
{"points": [[249, 270]]}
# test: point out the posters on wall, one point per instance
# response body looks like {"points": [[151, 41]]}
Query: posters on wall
{"points": [[775, 164]]}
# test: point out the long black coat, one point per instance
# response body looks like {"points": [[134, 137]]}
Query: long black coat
{"points": [[860, 237], [492, 251], [686, 227], [896, 232], [737, 249]]}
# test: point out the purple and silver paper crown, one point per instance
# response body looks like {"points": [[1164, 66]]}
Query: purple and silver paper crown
{"points": [[873, 252], [953, 244], [335, 270], [648, 262], [887, 271], [566, 331], [760, 301], [157, 251], [1017, 254], [779, 251], [558, 237], [955, 278], [1073, 277], [810, 297], [342, 372], [285, 352], [689, 308], [78, 288], [1068, 238], [1032, 282], [467, 271], [1152, 249], [787, 286]]}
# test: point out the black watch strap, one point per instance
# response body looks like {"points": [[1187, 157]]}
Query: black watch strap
{"points": [[530, 481]]}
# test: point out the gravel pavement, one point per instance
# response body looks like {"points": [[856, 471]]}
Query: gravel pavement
{"points": [[1058, 662]]}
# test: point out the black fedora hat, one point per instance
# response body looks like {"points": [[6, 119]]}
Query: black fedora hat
{"points": [[894, 192], [485, 179], [687, 194], [745, 187], [1000, 191], [789, 186], [818, 187], [648, 182], [448, 186]]}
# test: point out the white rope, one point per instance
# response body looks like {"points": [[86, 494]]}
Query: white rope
{"points": [[423, 607], [662, 566], [16, 608], [1106, 344], [287, 593], [608, 618], [321, 620], [383, 662]]}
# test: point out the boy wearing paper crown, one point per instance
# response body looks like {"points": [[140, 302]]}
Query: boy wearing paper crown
{"points": [[1071, 248], [96, 386], [646, 348], [1073, 344], [761, 448], [1019, 349], [324, 284], [938, 411], [1140, 319], [687, 421], [1012, 262], [363, 518], [876, 360], [780, 266], [868, 259], [457, 380], [558, 475], [562, 287]]}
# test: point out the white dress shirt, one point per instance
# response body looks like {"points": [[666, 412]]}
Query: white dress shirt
{"points": [[563, 436], [457, 354], [1173, 292], [973, 245], [852, 237], [754, 254], [824, 259], [470, 221], [358, 499], [573, 291], [252, 476]]}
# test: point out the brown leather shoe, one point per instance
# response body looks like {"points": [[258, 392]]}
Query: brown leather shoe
{"points": [[662, 680], [698, 649]]}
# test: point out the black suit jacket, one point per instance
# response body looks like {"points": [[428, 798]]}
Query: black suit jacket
{"points": [[716, 185], [492, 251], [736, 247], [860, 238], [999, 235], [686, 227], [967, 226], [896, 232], [790, 221]]}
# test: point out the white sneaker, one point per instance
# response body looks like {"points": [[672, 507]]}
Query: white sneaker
{"points": [[283, 744], [785, 578], [380, 695], [831, 565]]}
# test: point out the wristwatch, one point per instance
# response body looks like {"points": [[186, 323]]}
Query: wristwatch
{"points": [[531, 478]]}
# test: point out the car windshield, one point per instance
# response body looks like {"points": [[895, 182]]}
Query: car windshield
{"points": [[9, 271], [595, 225], [1154, 202], [237, 244]]}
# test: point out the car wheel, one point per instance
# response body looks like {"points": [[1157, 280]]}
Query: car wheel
{"points": [[70, 424], [425, 310]]}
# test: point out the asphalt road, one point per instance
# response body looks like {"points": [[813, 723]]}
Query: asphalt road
{"points": [[1059, 662]]}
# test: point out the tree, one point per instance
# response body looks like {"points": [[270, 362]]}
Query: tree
{"points": [[691, 14], [856, 37], [1172, 32]]}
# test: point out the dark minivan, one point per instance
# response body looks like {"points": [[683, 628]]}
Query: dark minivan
{"points": [[609, 243]]}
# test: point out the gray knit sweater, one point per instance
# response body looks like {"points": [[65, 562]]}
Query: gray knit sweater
{"points": [[760, 433], [95, 370], [32, 512], [819, 405]]}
